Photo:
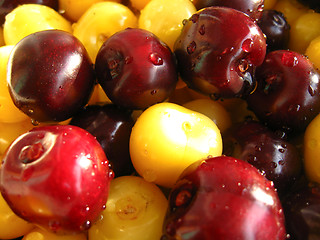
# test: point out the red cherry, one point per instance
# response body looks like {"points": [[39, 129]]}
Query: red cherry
{"points": [[218, 51], [224, 198], [50, 75], [56, 177]]}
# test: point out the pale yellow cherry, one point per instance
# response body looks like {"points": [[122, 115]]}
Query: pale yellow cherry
{"points": [[31, 18], [101, 21], [74, 9], [11, 226], [164, 18], [303, 31], [313, 52], [135, 210]]}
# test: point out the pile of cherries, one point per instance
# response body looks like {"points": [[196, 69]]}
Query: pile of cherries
{"points": [[58, 176]]}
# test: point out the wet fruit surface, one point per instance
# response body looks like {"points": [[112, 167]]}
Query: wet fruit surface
{"points": [[275, 157], [218, 51], [61, 190], [225, 198], [287, 95], [50, 75], [136, 69], [253, 8]]}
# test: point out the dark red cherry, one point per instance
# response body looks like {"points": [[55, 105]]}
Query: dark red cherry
{"points": [[136, 69], [275, 157], [223, 198], [7, 6], [287, 97], [56, 177], [218, 51], [252, 8], [111, 126], [50, 75], [277, 30], [302, 212]]}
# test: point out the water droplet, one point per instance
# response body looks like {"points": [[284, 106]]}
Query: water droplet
{"points": [[85, 226], [184, 21], [104, 206], [34, 122], [191, 47], [311, 91], [153, 92], [110, 174], [281, 162], [155, 59], [251, 158], [294, 108], [258, 148], [30, 111], [202, 30], [281, 150], [247, 45], [289, 59], [273, 165]]}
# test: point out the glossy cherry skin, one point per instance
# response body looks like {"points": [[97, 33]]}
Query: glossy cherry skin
{"points": [[287, 97], [7, 6], [223, 198], [277, 30], [111, 126], [136, 69], [50, 75], [56, 177], [302, 211], [275, 157], [252, 8], [218, 50]]}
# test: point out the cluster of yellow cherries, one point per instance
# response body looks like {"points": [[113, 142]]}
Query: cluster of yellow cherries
{"points": [[136, 205]]}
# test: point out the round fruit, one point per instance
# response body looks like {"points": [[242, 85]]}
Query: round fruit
{"points": [[223, 198], [287, 97], [56, 177], [50, 75], [136, 69], [218, 50]]}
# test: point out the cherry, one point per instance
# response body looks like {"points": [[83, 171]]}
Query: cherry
{"points": [[56, 177], [136, 69], [7, 6], [252, 8], [302, 211], [111, 126], [50, 75], [287, 97], [277, 30], [218, 51], [275, 157], [223, 198]]}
